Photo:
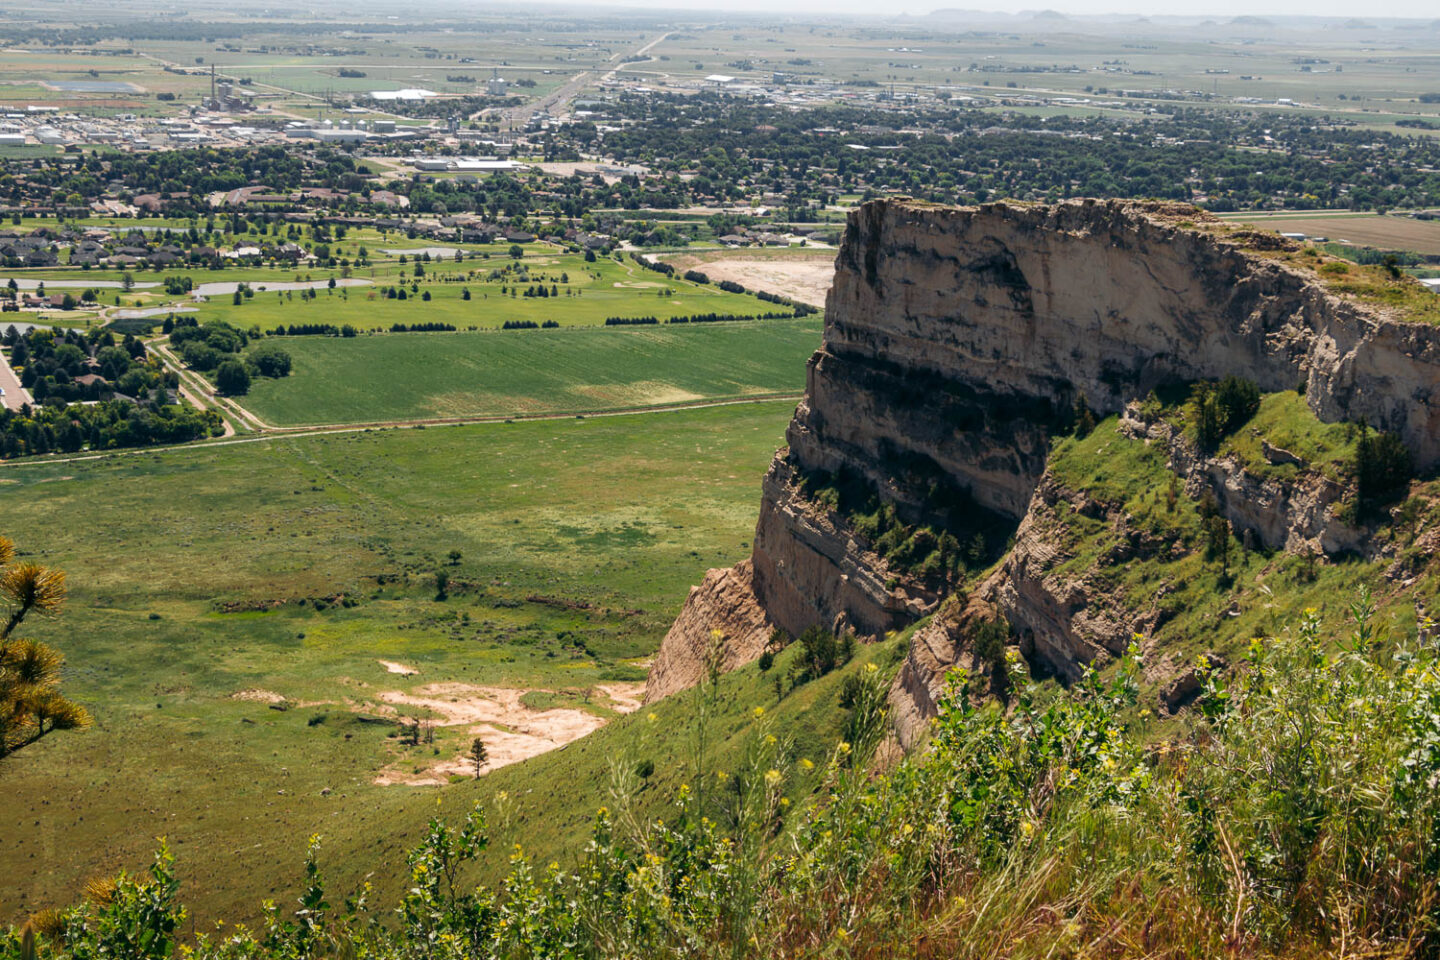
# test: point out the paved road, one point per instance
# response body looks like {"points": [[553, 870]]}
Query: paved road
{"points": [[15, 394], [558, 101]]}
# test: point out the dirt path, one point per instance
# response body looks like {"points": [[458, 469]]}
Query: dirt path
{"points": [[198, 391]]}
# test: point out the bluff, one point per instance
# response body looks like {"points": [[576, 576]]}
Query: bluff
{"points": [[959, 343]]}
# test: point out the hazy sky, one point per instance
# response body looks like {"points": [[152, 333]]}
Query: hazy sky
{"points": [[1337, 8]]}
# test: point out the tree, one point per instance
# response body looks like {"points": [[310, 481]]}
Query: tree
{"points": [[1382, 467], [31, 706], [270, 360], [479, 754], [516, 251], [1084, 417], [232, 378]]}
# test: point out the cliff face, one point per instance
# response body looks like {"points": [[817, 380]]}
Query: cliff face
{"points": [[957, 340]]}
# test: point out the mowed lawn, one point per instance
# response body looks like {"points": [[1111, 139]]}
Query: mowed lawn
{"points": [[429, 375], [578, 540]]}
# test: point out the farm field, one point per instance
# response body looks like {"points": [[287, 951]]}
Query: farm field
{"points": [[1384, 233], [212, 587], [437, 375]]}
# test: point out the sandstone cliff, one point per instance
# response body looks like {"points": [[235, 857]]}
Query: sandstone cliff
{"points": [[956, 343]]}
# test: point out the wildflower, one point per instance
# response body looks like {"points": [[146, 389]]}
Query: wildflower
{"points": [[871, 668], [1028, 829], [770, 740], [759, 712], [807, 763], [651, 717], [784, 801], [772, 777], [843, 749]]}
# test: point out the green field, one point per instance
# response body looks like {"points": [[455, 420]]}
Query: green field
{"points": [[584, 294], [436, 375], [579, 540]]}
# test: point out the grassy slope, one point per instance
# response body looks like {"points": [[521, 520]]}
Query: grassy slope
{"points": [[530, 371], [1203, 610], [623, 514]]}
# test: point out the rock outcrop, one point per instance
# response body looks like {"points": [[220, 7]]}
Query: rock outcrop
{"points": [[958, 340], [723, 606]]}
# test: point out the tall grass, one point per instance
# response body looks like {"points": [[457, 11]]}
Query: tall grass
{"points": [[1296, 812]]}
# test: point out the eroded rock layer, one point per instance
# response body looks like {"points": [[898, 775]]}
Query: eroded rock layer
{"points": [[956, 342]]}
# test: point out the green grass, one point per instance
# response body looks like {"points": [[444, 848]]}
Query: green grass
{"points": [[573, 530], [1284, 421], [1201, 607], [422, 375], [602, 289], [587, 293]]}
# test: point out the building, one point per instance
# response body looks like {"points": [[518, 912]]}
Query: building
{"points": [[496, 86]]}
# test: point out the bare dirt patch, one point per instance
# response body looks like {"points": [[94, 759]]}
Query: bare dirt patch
{"points": [[512, 731], [799, 277], [626, 697], [392, 667]]}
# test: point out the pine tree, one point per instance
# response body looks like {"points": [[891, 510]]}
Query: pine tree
{"points": [[30, 702]]}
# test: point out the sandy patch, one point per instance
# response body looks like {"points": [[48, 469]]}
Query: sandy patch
{"points": [[512, 731], [392, 667], [797, 276], [625, 697]]}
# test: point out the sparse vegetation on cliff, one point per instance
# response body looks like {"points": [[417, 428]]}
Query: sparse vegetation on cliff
{"points": [[938, 553]]}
